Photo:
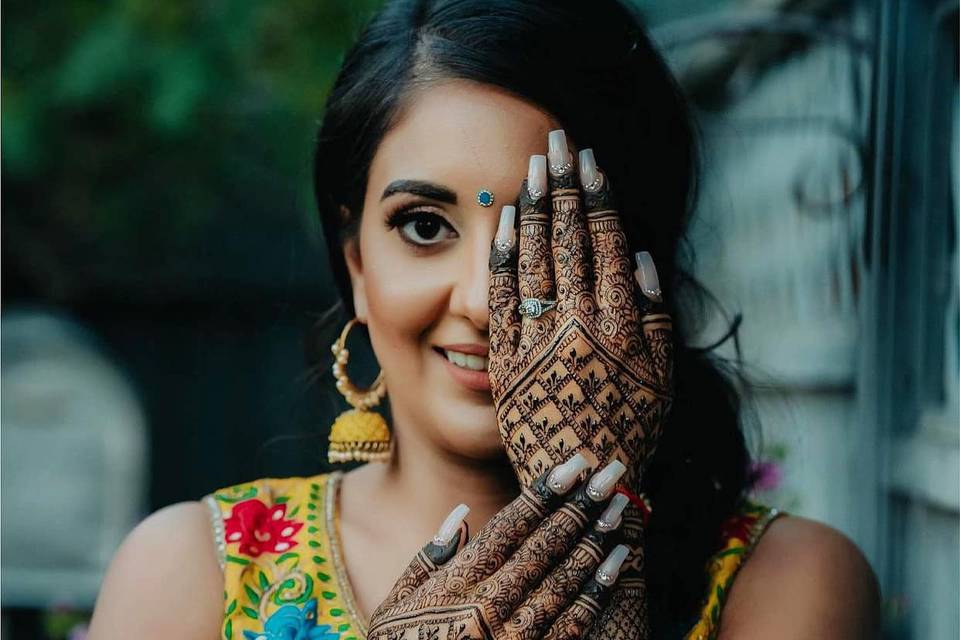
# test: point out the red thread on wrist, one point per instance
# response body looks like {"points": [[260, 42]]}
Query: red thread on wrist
{"points": [[640, 501]]}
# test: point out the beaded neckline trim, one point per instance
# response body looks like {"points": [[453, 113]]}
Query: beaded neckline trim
{"points": [[332, 499]]}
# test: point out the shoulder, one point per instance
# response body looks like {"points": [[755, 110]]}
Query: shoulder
{"points": [[803, 580], [164, 580]]}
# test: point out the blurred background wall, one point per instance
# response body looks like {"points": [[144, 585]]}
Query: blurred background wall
{"points": [[161, 263]]}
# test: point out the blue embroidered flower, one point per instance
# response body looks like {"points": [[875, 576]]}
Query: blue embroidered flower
{"points": [[290, 623]]}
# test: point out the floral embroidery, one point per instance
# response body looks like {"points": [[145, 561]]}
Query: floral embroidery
{"points": [[259, 528], [291, 623]]}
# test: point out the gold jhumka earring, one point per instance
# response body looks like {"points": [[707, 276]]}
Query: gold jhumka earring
{"points": [[357, 434]]}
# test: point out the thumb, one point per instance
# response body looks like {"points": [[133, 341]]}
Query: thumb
{"points": [[450, 538]]}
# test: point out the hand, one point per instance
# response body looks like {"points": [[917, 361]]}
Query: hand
{"points": [[594, 374], [525, 576]]}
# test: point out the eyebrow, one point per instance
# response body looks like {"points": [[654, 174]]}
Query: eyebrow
{"points": [[420, 188]]}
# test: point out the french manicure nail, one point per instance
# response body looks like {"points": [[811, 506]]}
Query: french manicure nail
{"points": [[589, 174], [611, 516], [506, 234], [451, 525], [560, 160], [608, 572], [603, 481], [565, 476], [647, 276], [537, 176]]}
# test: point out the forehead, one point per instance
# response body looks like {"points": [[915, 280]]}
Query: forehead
{"points": [[464, 134]]}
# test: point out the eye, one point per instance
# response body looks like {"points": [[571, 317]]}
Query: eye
{"points": [[422, 228]]}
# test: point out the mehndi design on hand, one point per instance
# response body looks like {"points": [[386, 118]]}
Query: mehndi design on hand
{"points": [[593, 376], [525, 576]]}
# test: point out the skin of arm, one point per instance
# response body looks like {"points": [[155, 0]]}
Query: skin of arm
{"points": [[164, 581], [804, 580]]}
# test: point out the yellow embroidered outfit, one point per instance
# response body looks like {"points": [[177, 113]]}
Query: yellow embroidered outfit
{"points": [[278, 545]]}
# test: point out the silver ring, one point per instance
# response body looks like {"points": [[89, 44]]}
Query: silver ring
{"points": [[534, 307]]}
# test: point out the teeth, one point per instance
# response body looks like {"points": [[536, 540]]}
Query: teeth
{"points": [[474, 363]]}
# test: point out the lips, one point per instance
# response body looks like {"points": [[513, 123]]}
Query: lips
{"points": [[467, 364]]}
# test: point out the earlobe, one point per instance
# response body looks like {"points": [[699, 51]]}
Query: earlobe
{"points": [[351, 253]]}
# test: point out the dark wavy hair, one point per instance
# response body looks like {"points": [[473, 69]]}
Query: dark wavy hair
{"points": [[592, 67]]}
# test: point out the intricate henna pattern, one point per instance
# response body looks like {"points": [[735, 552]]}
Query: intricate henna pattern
{"points": [[489, 589], [593, 376]]}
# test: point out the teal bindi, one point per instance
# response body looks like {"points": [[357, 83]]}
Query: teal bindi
{"points": [[484, 198]]}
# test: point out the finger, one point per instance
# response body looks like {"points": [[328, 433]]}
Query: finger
{"points": [[618, 316], [503, 298], [500, 537], [549, 543], [535, 267], [570, 243], [450, 538], [657, 325], [562, 585], [576, 620]]}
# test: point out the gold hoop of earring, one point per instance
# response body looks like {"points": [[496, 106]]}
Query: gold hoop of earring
{"points": [[358, 434]]}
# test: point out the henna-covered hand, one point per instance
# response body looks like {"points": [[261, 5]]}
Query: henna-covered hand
{"points": [[593, 375], [525, 576]]}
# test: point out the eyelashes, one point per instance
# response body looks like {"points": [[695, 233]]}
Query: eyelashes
{"points": [[420, 227]]}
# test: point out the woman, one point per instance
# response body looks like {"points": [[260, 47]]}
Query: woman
{"points": [[524, 329]]}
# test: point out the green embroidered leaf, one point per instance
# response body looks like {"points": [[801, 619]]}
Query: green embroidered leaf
{"points": [[287, 556], [328, 595], [336, 612], [320, 574], [315, 486], [289, 583], [237, 560], [319, 560], [295, 511], [314, 544], [251, 613], [232, 607], [281, 499], [312, 516], [228, 630], [264, 583], [312, 529], [343, 627], [253, 595], [311, 506], [239, 495], [736, 551]]}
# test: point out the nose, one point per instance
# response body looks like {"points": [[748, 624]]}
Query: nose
{"points": [[469, 296]]}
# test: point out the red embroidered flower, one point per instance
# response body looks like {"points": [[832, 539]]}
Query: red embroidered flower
{"points": [[739, 526], [260, 529]]}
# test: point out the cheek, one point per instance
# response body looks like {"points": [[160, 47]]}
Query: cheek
{"points": [[406, 294]]}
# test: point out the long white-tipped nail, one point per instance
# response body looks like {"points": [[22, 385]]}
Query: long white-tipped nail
{"points": [[609, 571], [561, 162], [506, 234], [611, 516], [562, 478], [589, 174], [646, 276], [602, 483], [451, 525], [537, 176]]}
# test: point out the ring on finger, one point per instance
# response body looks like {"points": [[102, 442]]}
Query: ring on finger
{"points": [[535, 307]]}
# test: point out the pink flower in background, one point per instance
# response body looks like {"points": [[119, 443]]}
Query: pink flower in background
{"points": [[767, 475]]}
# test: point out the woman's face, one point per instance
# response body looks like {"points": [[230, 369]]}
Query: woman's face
{"points": [[419, 268]]}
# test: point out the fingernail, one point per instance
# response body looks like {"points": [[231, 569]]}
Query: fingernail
{"points": [[560, 160], [589, 174], [506, 234], [611, 516], [608, 572], [603, 481], [451, 525], [646, 276], [565, 476], [537, 176]]}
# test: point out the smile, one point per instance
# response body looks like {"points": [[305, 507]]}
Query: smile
{"points": [[466, 360]]}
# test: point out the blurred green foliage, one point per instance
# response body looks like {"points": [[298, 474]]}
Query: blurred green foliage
{"points": [[152, 147]]}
